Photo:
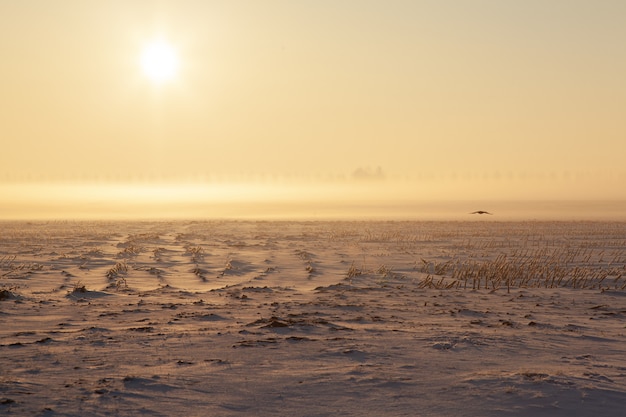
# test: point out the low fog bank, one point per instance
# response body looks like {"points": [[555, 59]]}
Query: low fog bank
{"points": [[365, 200]]}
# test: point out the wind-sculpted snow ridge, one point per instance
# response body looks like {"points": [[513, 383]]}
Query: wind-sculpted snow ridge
{"points": [[313, 318]]}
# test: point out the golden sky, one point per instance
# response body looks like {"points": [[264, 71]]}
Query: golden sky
{"points": [[372, 100]]}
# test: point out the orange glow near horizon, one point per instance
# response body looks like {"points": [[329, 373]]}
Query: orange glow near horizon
{"points": [[272, 201]]}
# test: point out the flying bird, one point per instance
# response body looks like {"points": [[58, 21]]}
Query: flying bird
{"points": [[480, 212]]}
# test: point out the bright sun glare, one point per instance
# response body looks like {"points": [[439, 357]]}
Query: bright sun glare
{"points": [[159, 61]]}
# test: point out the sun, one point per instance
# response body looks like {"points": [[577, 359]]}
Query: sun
{"points": [[159, 61]]}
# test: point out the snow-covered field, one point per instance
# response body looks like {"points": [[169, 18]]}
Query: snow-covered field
{"points": [[229, 318]]}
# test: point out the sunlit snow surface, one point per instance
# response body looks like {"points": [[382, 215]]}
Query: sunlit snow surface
{"points": [[480, 318]]}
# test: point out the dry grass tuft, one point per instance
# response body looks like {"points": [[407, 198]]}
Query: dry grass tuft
{"points": [[544, 268], [117, 270], [78, 288], [11, 267], [353, 272], [196, 253]]}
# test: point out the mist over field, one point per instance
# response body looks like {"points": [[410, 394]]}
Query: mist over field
{"points": [[340, 199]]}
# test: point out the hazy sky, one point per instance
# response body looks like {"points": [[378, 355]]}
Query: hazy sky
{"points": [[427, 100]]}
